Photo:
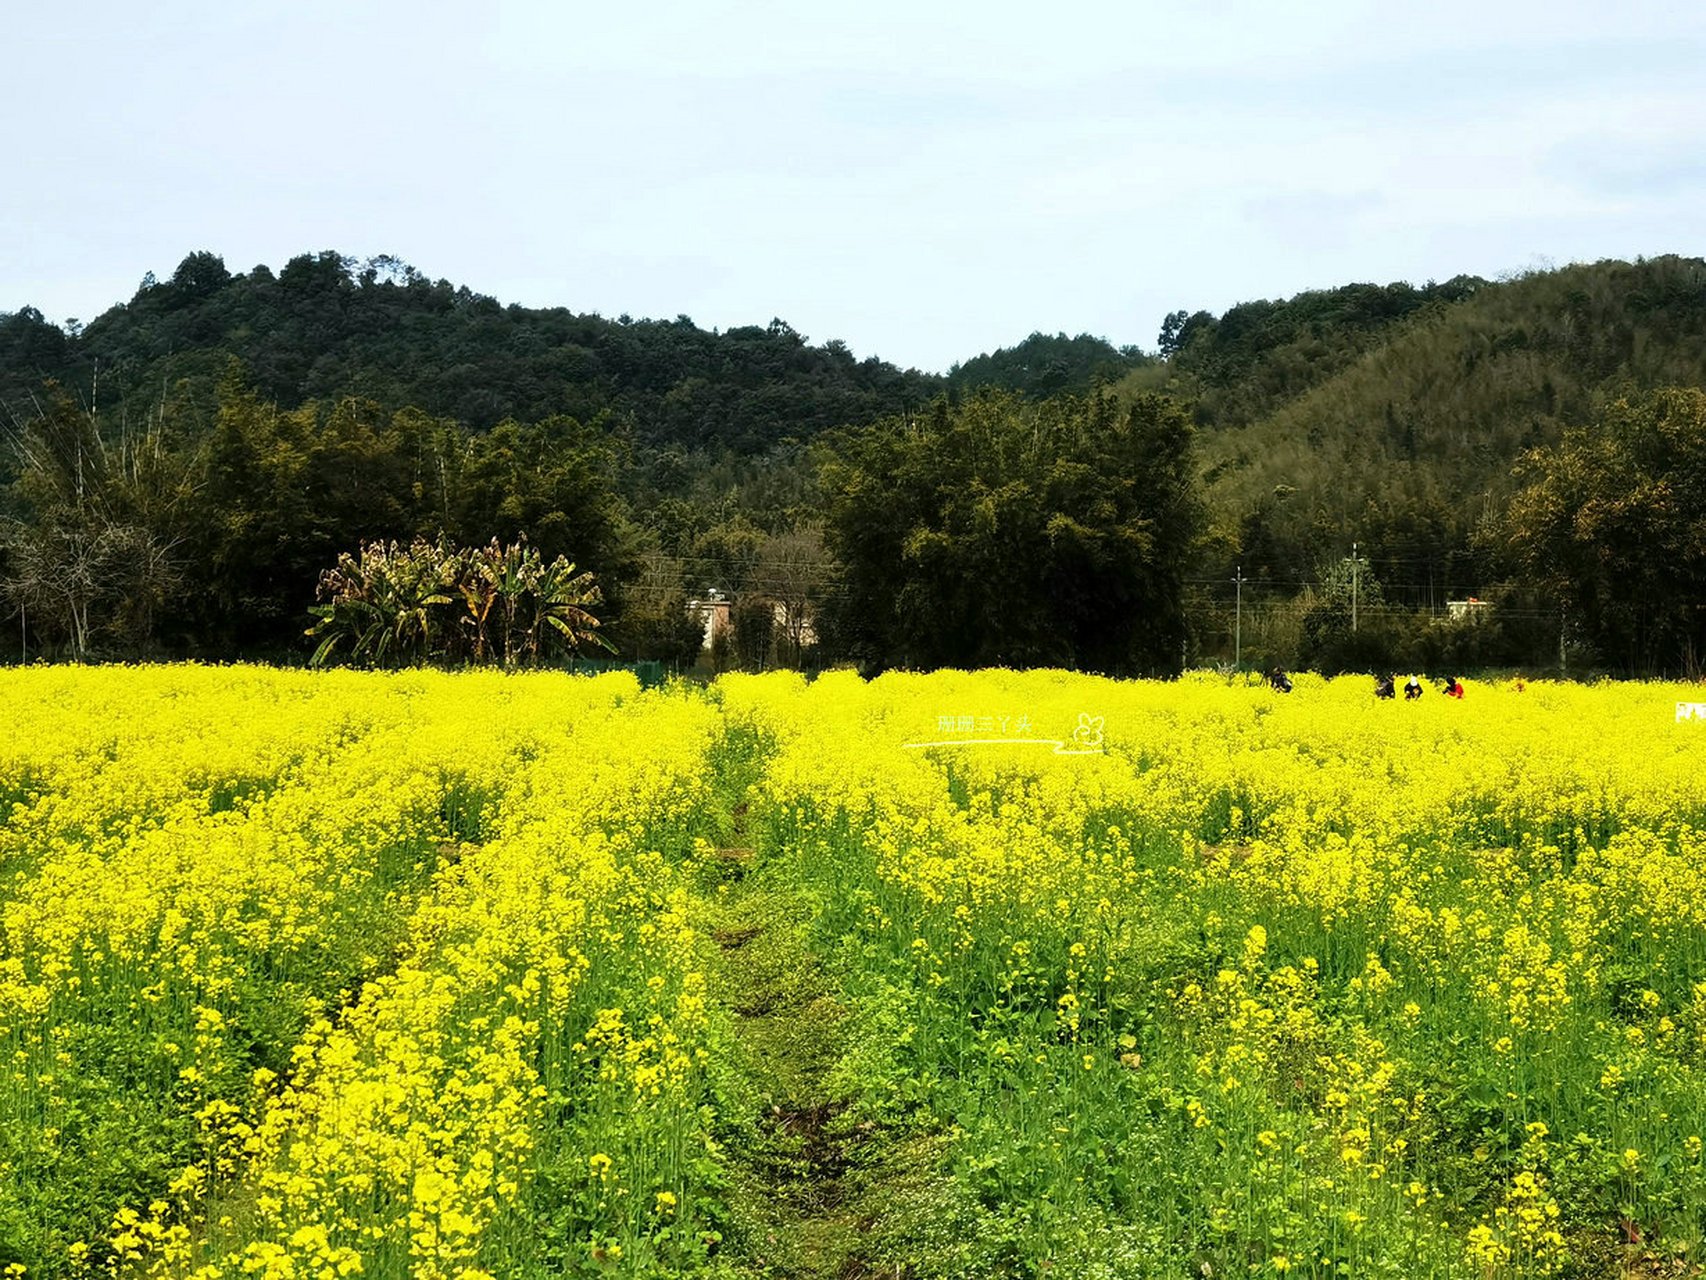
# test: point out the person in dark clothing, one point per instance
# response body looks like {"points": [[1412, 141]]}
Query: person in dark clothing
{"points": [[1412, 689], [1383, 686], [1279, 680]]}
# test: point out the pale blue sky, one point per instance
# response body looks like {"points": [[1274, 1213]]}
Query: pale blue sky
{"points": [[923, 181]]}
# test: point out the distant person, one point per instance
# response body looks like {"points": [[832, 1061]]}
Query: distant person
{"points": [[1412, 689], [1383, 686], [1453, 687], [1519, 684], [1279, 680]]}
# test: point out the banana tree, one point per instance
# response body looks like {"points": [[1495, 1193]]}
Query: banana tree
{"points": [[432, 601]]}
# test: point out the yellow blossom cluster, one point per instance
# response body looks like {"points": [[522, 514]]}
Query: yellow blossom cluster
{"points": [[1388, 935], [342, 947], [323, 974]]}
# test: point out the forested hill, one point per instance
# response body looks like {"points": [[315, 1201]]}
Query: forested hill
{"points": [[325, 326], [1254, 357], [242, 431], [1046, 365], [1405, 438]]}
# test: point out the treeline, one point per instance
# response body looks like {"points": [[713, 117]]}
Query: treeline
{"points": [[996, 531], [207, 538], [192, 461], [325, 327], [1048, 365]]}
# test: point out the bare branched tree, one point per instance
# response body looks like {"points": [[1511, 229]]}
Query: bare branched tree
{"points": [[793, 571], [86, 565]]}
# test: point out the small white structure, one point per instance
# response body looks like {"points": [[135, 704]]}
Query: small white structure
{"points": [[805, 634], [1470, 610], [1691, 711], [713, 613]]}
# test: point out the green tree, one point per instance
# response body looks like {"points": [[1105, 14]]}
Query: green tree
{"points": [[285, 491], [1613, 520], [1044, 365], [551, 484], [1343, 624], [754, 623], [726, 556], [521, 605], [1003, 532]]}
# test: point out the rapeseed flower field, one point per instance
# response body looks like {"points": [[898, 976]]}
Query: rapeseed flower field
{"points": [[419, 974]]}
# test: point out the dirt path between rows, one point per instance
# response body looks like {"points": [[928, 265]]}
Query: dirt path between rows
{"points": [[816, 1189], [798, 1162]]}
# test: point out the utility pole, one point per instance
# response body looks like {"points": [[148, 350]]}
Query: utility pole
{"points": [[1238, 621], [1353, 586]]}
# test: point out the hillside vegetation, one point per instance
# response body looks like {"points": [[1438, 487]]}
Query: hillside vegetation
{"points": [[1408, 444], [239, 431], [325, 327]]}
